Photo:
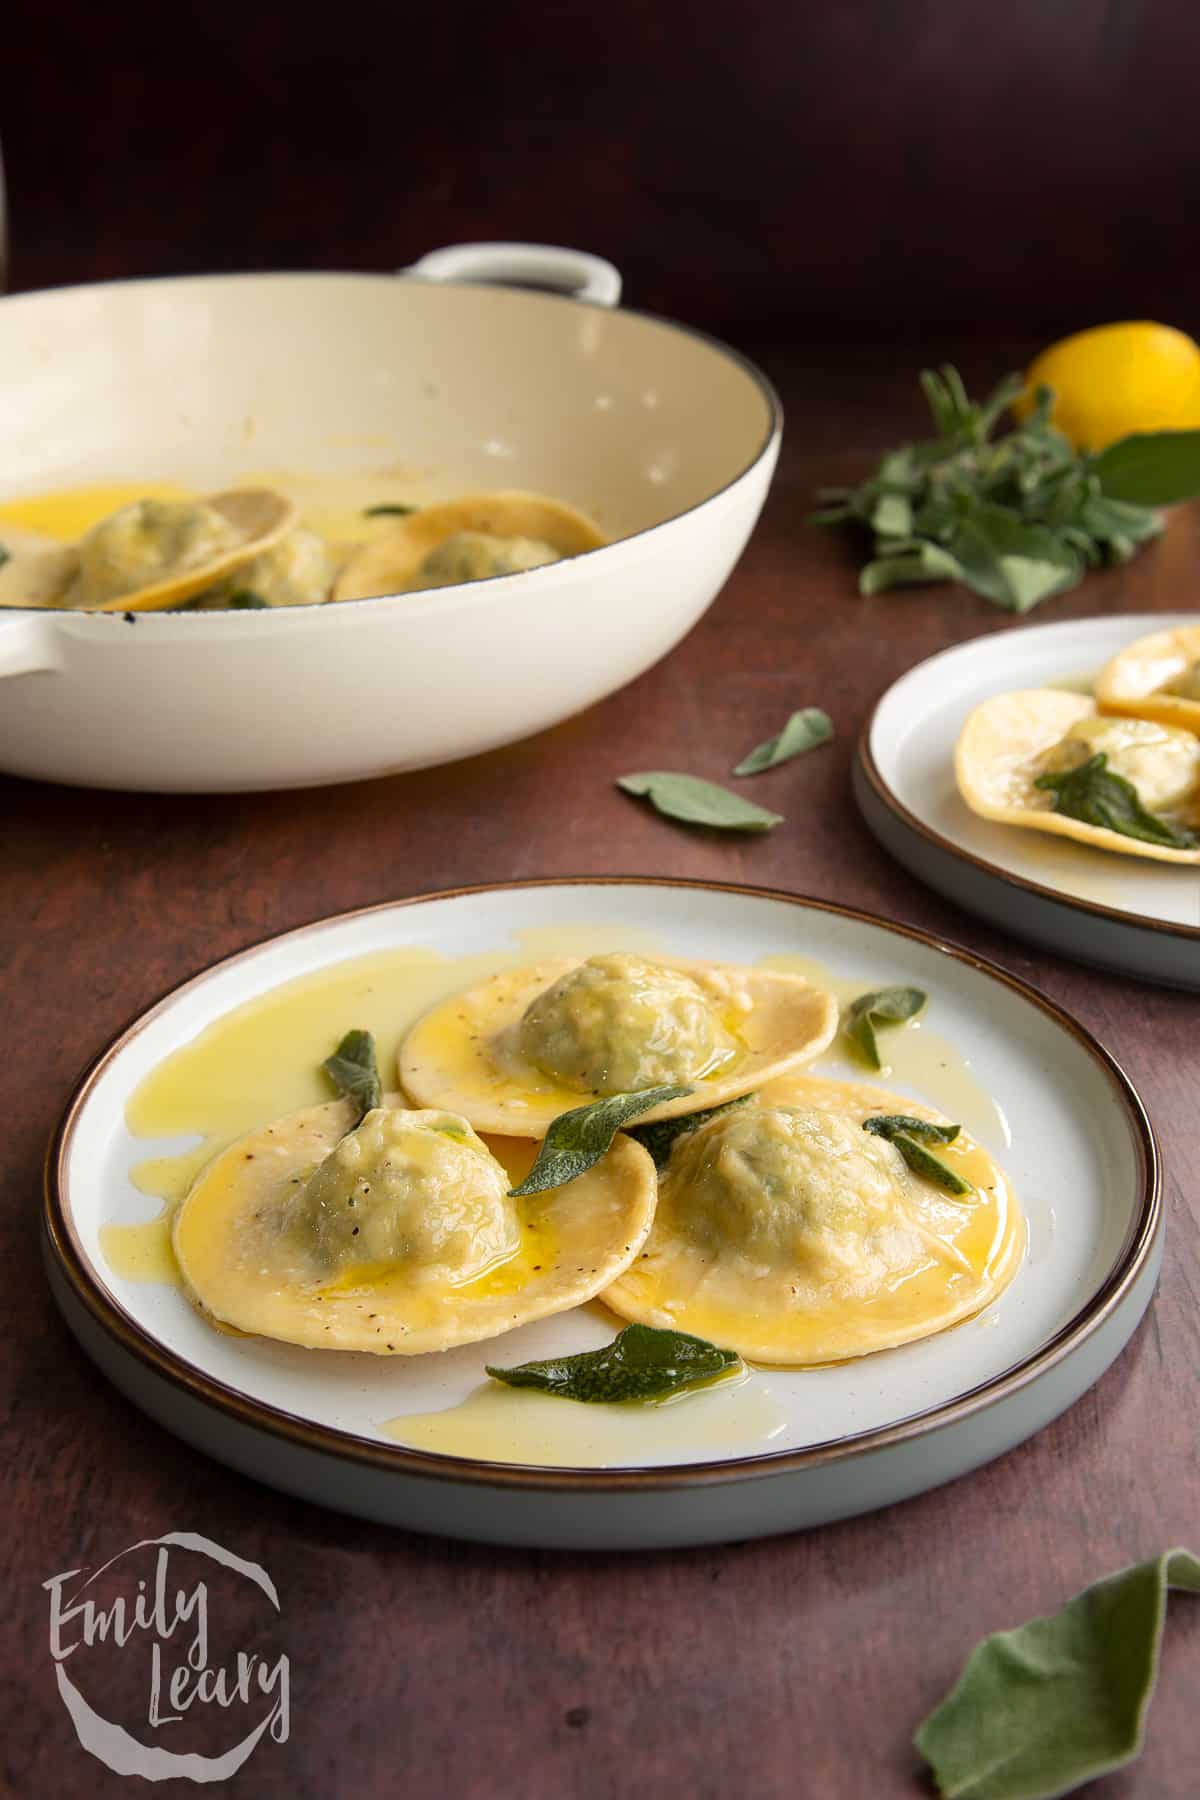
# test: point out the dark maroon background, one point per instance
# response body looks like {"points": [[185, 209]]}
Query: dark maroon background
{"points": [[767, 168]]}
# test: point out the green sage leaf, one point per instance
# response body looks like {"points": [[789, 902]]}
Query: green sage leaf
{"points": [[661, 1137], [1095, 796], [354, 1071], [928, 562], [892, 515], [642, 1363], [579, 1138], [1151, 468], [910, 1136], [388, 511], [803, 731], [886, 1006], [1040, 1710], [246, 600], [5, 555], [697, 802]]}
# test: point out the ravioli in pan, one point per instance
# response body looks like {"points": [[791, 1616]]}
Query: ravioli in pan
{"points": [[815, 1223], [1047, 759], [531, 1043], [398, 1234], [1157, 677]]}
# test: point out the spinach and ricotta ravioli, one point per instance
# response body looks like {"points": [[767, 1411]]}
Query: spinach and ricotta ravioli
{"points": [[1156, 677], [399, 1234], [155, 554], [468, 539], [787, 1232], [1015, 749], [531, 1043]]}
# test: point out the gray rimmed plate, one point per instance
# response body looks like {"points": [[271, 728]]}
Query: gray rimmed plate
{"points": [[1058, 1112], [1135, 916]]}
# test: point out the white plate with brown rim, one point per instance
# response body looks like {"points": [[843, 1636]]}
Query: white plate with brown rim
{"points": [[787, 1448], [1126, 913]]}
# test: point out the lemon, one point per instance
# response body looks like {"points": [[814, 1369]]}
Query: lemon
{"points": [[1115, 379]]}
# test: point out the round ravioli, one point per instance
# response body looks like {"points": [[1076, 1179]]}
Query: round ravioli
{"points": [[788, 1233], [398, 1235], [531, 1043], [155, 554], [466, 540], [1158, 677], [1011, 740]]}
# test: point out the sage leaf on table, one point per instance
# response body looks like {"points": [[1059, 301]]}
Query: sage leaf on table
{"points": [[803, 731], [661, 1137], [1042, 1709], [1151, 468], [1016, 517], [698, 802], [910, 1137], [387, 511], [886, 1006], [1095, 796], [354, 1071], [641, 1363], [579, 1138]]}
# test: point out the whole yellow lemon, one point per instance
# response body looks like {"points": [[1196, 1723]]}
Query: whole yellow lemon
{"points": [[1115, 379]]}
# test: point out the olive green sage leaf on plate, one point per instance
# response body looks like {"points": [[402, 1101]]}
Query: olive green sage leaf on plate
{"points": [[1095, 796], [354, 1072], [387, 511], [1040, 1710], [661, 1137], [803, 731], [886, 1006], [910, 1137], [579, 1138], [1151, 468], [698, 802], [641, 1363]]}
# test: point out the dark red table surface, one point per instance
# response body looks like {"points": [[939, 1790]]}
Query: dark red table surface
{"points": [[793, 1666]]}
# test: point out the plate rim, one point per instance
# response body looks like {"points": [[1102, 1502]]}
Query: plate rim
{"points": [[62, 1244], [888, 797]]}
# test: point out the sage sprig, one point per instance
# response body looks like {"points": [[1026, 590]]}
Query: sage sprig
{"points": [[910, 1136], [697, 802], [661, 1137], [1042, 1709], [804, 731], [886, 1006], [578, 1139], [1016, 517], [354, 1071], [1093, 794], [642, 1363]]}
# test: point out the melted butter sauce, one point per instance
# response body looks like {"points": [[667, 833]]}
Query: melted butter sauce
{"points": [[917, 1055], [262, 1060], [518, 1425]]}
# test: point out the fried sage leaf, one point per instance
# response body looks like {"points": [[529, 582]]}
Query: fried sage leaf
{"points": [[698, 802], [1095, 796], [579, 1138], [354, 1071], [1042, 1709], [886, 1006], [661, 1137], [641, 1363], [910, 1136], [803, 731], [388, 511]]}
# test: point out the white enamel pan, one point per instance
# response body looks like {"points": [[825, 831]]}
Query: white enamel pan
{"points": [[667, 438]]}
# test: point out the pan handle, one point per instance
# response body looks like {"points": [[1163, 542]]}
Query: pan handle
{"points": [[575, 273], [26, 644]]}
